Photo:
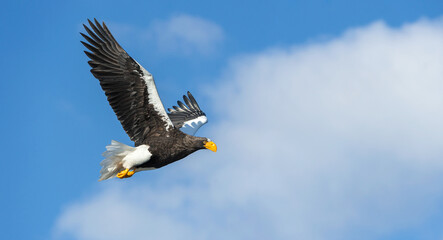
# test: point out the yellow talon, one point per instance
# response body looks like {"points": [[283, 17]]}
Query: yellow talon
{"points": [[129, 174], [123, 173]]}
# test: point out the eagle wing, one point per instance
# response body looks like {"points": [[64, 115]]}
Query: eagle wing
{"points": [[189, 118], [130, 88]]}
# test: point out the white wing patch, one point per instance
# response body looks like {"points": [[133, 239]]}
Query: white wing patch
{"points": [[190, 127], [154, 98]]}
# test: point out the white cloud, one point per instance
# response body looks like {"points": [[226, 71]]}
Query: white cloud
{"points": [[186, 34], [119, 214], [338, 140]]}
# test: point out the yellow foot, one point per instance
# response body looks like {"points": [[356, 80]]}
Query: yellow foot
{"points": [[129, 174], [125, 173]]}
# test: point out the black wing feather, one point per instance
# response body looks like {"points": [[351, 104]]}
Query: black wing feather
{"points": [[184, 113], [121, 78]]}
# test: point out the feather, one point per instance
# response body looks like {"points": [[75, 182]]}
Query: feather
{"points": [[189, 118]]}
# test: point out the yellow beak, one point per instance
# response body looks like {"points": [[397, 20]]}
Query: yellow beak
{"points": [[211, 146]]}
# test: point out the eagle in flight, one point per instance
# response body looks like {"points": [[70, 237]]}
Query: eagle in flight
{"points": [[160, 138]]}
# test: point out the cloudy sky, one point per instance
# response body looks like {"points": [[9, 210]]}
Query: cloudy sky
{"points": [[327, 115]]}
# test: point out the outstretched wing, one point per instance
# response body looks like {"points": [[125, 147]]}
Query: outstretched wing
{"points": [[189, 118], [129, 87]]}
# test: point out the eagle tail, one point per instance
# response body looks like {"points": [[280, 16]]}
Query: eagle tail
{"points": [[112, 164]]}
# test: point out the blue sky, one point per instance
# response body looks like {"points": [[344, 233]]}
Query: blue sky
{"points": [[56, 120]]}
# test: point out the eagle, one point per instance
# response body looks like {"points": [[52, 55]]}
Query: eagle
{"points": [[159, 138]]}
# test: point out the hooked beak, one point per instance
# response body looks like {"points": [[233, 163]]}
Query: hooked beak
{"points": [[211, 146]]}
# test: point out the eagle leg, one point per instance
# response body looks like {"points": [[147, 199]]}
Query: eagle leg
{"points": [[125, 173], [130, 173]]}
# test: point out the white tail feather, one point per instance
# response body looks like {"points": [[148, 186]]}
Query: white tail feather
{"points": [[112, 164]]}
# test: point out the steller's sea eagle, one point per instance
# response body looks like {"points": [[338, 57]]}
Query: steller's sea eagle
{"points": [[160, 138]]}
